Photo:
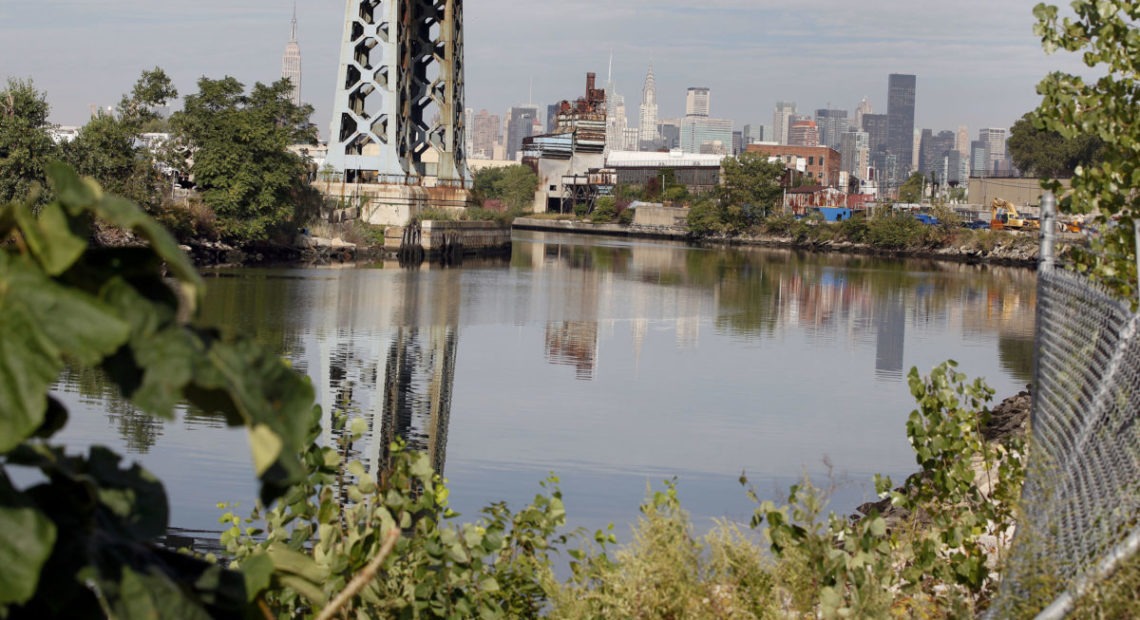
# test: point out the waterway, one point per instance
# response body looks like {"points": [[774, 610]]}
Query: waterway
{"points": [[614, 364]]}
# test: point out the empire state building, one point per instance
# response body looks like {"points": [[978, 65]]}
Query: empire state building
{"points": [[291, 61]]}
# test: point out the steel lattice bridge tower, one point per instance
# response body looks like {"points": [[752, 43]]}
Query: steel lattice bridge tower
{"points": [[398, 115]]}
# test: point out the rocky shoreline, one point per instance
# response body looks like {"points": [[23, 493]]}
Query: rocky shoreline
{"points": [[1009, 249], [1012, 252]]}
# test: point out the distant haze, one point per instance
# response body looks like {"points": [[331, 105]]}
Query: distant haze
{"points": [[977, 61]]}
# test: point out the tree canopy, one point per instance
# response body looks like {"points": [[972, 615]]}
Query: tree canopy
{"points": [[1105, 32], [237, 146], [911, 189], [1048, 154], [750, 187], [514, 185], [25, 144], [108, 148]]}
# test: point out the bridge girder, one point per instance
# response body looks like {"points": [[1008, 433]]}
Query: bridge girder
{"points": [[398, 111]]}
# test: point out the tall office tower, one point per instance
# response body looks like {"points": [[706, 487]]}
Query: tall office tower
{"points": [[291, 61], [552, 116], [962, 142], [803, 133], [520, 126], [753, 133], [737, 142], [831, 124], [932, 153], [878, 130], [485, 132], [862, 109], [854, 153], [697, 101], [670, 132], [468, 131], [701, 134], [994, 141], [978, 159], [616, 122], [916, 142], [900, 118], [781, 120], [648, 138]]}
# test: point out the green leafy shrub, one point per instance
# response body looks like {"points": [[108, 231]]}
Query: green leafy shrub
{"points": [[498, 567], [854, 229], [605, 210], [704, 219], [81, 542], [897, 231], [625, 218]]}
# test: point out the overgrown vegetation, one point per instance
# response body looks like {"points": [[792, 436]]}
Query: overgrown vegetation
{"points": [[81, 542], [1106, 35], [748, 193], [514, 186], [235, 145]]}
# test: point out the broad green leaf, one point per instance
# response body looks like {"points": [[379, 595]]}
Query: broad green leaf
{"points": [[74, 193], [29, 363], [257, 570], [55, 418], [252, 386], [51, 237], [125, 214], [153, 595], [265, 446], [286, 560], [82, 327], [26, 541], [135, 496], [168, 363]]}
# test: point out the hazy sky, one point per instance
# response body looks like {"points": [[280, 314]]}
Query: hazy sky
{"points": [[977, 61]]}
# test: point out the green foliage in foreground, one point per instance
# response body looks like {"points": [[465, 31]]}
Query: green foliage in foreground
{"points": [[938, 560], [1106, 33], [81, 543]]}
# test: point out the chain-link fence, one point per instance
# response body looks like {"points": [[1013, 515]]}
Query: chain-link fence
{"points": [[1082, 493]]}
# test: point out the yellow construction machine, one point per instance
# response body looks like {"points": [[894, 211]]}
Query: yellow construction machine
{"points": [[1004, 215]]}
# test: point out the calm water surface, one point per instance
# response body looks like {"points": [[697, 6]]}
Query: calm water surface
{"points": [[614, 364]]}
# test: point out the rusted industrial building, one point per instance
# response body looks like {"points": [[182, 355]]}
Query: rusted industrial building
{"points": [[821, 163]]}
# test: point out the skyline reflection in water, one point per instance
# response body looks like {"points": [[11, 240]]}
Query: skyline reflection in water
{"points": [[611, 363]]}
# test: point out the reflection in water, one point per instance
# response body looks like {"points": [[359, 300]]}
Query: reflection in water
{"points": [[387, 352], [696, 362], [573, 343], [890, 325], [765, 293], [138, 430], [417, 391]]}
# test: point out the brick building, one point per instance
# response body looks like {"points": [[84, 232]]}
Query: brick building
{"points": [[820, 162]]}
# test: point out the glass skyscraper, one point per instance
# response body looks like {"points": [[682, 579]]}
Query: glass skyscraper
{"points": [[900, 121]]}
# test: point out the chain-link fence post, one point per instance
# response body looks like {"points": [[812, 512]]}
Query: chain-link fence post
{"points": [[1048, 230]]}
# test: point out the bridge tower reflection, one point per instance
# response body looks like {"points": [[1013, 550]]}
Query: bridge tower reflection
{"points": [[420, 368]]}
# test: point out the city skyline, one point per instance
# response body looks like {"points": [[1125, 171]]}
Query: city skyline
{"points": [[973, 72]]}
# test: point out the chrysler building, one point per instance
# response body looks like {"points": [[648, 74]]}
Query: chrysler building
{"points": [[648, 138]]}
